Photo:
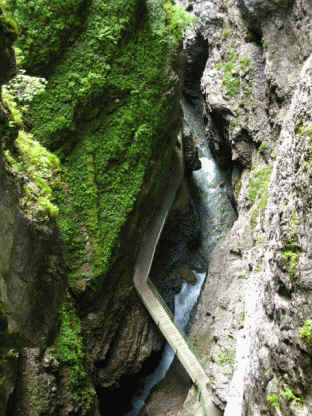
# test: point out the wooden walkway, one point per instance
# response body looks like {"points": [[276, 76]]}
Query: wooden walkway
{"points": [[156, 306]]}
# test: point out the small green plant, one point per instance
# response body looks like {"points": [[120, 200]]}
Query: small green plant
{"points": [[226, 357], [259, 265], [233, 72], [231, 79], [262, 147], [226, 33], [8, 17], [15, 114], [242, 318], [304, 130], [290, 396], [178, 20], [306, 331], [12, 353], [292, 256], [245, 64], [274, 400], [259, 184]]}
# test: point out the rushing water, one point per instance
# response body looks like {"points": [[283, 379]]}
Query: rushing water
{"points": [[213, 192], [213, 200], [184, 302]]}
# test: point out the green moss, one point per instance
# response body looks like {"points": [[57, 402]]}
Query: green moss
{"points": [[274, 400], [61, 20], [292, 256], [306, 331], [231, 79], [304, 130], [226, 34], [68, 347], [259, 185], [237, 189], [233, 73], [68, 350], [292, 252], [38, 167], [259, 266], [259, 191], [226, 357], [178, 20], [34, 398], [26, 157], [105, 112], [263, 146], [290, 396], [245, 64], [15, 114], [254, 218]]}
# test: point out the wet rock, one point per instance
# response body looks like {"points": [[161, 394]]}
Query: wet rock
{"points": [[32, 270], [257, 297], [188, 276]]}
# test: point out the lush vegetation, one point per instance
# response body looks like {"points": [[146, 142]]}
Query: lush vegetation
{"points": [[68, 350], [44, 28], [103, 122], [26, 157], [105, 112]]}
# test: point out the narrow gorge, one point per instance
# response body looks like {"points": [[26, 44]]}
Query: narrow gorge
{"points": [[170, 139]]}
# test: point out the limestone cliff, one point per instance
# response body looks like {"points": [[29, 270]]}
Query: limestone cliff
{"points": [[252, 323]]}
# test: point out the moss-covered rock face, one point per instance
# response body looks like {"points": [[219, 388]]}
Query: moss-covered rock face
{"points": [[109, 112], [61, 21], [31, 264], [105, 112]]}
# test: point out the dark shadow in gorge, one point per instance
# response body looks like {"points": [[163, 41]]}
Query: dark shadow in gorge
{"points": [[120, 399]]}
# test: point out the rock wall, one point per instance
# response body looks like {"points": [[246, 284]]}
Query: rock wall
{"points": [[109, 110], [252, 321], [32, 269]]}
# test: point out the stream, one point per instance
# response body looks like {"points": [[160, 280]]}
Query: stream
{"points": [[184, 302], [212, 196]]}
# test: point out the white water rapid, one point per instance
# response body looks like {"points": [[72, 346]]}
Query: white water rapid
{"points": [[217, 213]]}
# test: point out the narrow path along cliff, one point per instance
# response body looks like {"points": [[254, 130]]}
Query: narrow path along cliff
{"points": [[156, 306]]}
